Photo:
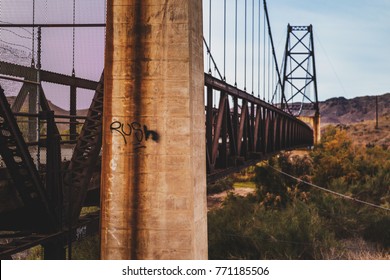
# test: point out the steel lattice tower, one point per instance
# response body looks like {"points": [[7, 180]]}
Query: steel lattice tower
{"points": [[299, 86]]}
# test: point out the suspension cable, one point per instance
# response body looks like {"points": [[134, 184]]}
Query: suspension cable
{"points": [[259, 52], [210, 37], [33, 36], [253, 43], [70, 189], [0, 16], [269, 68], [245, 31], [272, 42], [264, 55], [73, 37], [212, 59], [291, 87], [224, 40], [235, 48], [272, 80]]}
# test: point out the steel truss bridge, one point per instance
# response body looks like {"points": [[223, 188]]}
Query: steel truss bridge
{"points": [[41, 193]]}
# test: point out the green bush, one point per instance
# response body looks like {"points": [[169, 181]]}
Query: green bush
{"points": [[243, 229], [378, 231], [287, 219], [220, 185]]}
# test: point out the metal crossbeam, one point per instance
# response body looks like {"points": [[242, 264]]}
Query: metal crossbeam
{"points": [[30, 73]]}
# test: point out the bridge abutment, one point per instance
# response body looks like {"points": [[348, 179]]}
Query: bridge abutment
{"points": [[153, 167]]}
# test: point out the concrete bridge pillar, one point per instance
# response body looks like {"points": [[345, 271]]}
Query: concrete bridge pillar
{"points": [[315, 123], [317, 128], [153, 165]]}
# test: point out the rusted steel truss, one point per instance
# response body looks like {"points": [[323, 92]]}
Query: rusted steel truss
{"points": [[43, 206], [38, 211], [244, 128], [85, 156]]}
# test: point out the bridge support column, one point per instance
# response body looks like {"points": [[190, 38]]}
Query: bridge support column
{"points": [[317, 129], [315, 123], [154, 166]]}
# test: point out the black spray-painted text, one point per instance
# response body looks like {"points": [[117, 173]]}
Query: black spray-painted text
{"points": [[139, 133]]}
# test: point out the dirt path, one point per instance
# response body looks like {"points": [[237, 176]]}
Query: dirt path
{"points": [[215, 200]]}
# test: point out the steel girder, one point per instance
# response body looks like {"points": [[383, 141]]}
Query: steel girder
{"points": [[16, 70], [251, 130]]}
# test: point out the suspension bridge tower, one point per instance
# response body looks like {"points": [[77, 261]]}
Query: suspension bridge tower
{"points": [[153, 166], [299, 85]]}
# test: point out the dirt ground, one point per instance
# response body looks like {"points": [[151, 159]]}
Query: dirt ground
{"points": [[215, 200]]}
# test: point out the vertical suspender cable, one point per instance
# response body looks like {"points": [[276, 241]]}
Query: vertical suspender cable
{"points": [[46, 12], [235, 48], [37, 130], [73, 36], [0, 16], [245, 31], [269, 68], [210, 37], [38, 79], [273, 88], [38, 104], [33, 37], [224, 40], [264, 60], [70, 187], [259, 52], [291, 87], [253, 43]]}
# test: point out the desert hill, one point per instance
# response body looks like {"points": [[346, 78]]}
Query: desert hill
{"points": [[358, 117], [359, 109]]}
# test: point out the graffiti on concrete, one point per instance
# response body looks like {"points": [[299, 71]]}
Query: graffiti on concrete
{"points": [[135, 131]]}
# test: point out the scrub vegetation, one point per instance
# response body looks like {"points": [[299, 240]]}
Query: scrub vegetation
{"points": [[287, 218]]}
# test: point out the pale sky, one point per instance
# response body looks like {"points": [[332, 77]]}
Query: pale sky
{"points": [[351, 42], [351, 39]]}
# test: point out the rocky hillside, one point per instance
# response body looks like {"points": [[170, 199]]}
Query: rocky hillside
{"points": [[358, 117], [359, 109]]}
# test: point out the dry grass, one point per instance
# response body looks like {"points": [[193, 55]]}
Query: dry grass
{"points": [[357, 249], [366, 133], [216, 200], [244, 185]]}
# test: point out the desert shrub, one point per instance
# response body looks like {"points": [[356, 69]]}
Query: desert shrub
{"points": [[220, 185], [356, 171], [244, 229], [287, 219], [87, 249], [377, 231]]}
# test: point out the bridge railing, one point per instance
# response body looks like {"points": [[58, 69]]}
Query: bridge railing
{"points": [[242, 128]]}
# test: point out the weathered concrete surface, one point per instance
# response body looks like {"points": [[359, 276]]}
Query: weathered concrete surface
{"points": [[153, 169], [315, 123]]}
